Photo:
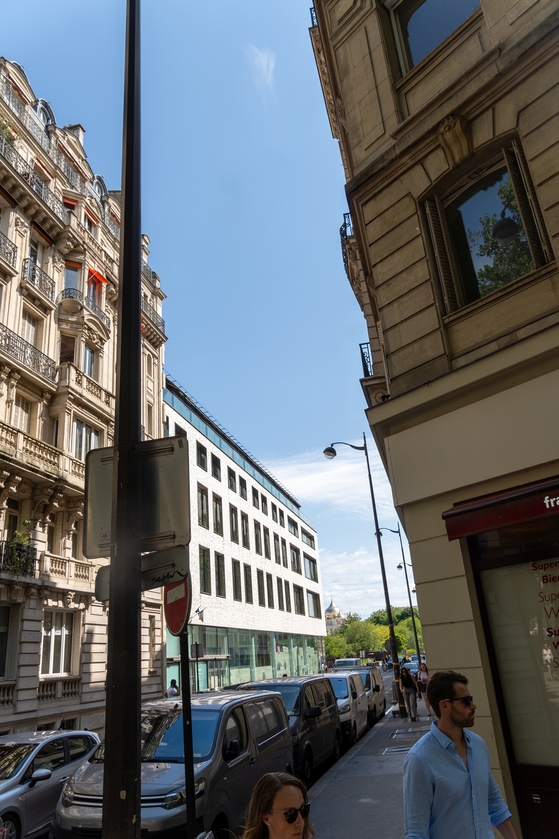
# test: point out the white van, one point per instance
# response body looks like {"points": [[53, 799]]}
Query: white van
{"points": [[353, 705], [347, 663]]}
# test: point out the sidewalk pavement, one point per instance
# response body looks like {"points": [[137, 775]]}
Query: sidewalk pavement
{"points": [[361, 795]]}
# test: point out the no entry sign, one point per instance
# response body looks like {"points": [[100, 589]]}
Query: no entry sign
{"points": [[177, 599]]}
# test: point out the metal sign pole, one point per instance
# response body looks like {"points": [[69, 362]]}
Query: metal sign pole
{"points": [[121, 786], [187, 735]]}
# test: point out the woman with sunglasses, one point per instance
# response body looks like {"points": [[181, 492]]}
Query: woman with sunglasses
{"points": [[278, 809], [409, 689]]}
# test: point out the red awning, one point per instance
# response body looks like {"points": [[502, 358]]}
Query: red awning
{"points": [[96, 275], [534, 501]]}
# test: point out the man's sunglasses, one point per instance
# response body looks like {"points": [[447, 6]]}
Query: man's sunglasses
{"points": [[467, 700], [292, 813]]}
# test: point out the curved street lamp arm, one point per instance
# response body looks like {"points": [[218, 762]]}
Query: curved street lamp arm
{"points": [[351, 446]]}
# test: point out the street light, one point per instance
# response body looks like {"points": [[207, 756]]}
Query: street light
{"points": [[404, 564], [330, 453]]}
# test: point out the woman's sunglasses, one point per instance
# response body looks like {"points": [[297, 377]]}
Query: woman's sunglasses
{"points": [[292, 813], [467, 700]]}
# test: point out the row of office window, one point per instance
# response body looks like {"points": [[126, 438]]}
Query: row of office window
{"points": [[268, 592], [262, 539], [237, 483]]}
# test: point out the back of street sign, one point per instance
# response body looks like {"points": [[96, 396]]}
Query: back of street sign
{"points": [[158, 569], [165, 496]]}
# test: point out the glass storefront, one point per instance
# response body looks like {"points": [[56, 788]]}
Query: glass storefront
{"points": [[232, 656]]}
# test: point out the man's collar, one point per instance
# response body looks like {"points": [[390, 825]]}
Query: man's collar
{"points": [[441, 738]]}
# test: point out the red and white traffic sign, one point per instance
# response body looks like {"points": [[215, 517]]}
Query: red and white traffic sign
{"points": [[177, 598]]}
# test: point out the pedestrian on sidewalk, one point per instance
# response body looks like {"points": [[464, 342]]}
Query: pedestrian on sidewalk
{"points": [[278, 809], [422, 682], [409, 688], [172, 690], [449, 789]]}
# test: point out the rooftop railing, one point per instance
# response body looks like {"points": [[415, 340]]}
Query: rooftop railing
{"points": [[8, 250], [39, 278], [27, 117], [76, 294], [150, 312], [27, 354], [33, 180]]}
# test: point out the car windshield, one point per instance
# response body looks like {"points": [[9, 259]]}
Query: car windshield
{"points": [[290, 695], [162, 736], [12, 756], [345, 662], [340, 688]]}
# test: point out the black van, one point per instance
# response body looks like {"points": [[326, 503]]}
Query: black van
{"points": [[313, 718]]}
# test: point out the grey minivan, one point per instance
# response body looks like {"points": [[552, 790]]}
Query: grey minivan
{"points": [[238, 737], [313, 719]]}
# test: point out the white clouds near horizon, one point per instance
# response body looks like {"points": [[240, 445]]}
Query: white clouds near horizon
{"points": [[263, 64]]}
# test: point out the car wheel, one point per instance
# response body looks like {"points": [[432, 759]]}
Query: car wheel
{"points": [[220, 828], [307, 767], [337, 748], [11, 826]]}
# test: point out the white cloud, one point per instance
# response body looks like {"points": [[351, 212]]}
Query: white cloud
{"points": [[341, 483], [263, 63]]}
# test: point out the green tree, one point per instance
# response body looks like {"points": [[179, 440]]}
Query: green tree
{"points": [[335, 646], [509, 261], [362, 635]]}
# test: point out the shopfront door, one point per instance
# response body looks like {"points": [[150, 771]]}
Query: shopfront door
{"points": [[517, 571]]}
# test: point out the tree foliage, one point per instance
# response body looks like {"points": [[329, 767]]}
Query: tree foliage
{"points": [[509, 261], [356, 635]]}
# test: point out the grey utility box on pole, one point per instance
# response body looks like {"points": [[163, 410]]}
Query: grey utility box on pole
{"points": [[164, 512]]}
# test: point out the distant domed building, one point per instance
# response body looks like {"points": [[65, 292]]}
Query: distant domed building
{"points": [[334, 618]]}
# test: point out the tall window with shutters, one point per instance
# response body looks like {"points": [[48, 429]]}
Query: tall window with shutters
{"points": [[487, 233]]}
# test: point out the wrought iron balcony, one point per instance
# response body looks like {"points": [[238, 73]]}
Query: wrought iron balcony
{"points": [[76, 294], [28, 118], [150, 312], [346, 230], [314, 21], [149, 275], [39, 278], [114, 229], [27, 354], [366, 360], [63, 164], [19, 560], [8, 250], [34, 182]]}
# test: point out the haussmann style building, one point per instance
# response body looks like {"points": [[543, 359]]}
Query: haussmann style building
{"points": [[447, 120], [59, 252]]}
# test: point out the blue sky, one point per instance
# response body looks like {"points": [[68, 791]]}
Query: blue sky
{"points": [[243, 197]]}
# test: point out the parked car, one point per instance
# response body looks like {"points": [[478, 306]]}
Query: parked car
{"points": [[352, 704], [347, 663], [32, 768], [237, 737], [313, 719], [374, 688]]}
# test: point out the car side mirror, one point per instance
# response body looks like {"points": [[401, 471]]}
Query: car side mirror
{"points": [[234, 750], [313, 711], [377, 688], [39, 775], [354, 694]]}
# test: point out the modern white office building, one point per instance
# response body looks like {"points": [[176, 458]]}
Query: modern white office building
{"points": [[256, 584]]}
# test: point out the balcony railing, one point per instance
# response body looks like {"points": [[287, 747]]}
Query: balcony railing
{"points": [[63, 164], [71, 571], [19, 560], [53, 689], [149, 275], [25, 116], [35, 183], [8, 250], [39, 278], [76, 294], [27, 354], [314, 21], [113, 227], [346, 230], [150, 312], [366, 360]]}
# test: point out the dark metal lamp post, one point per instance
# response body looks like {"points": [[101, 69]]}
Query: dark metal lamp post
{"points": [[404, 564], [330, 453]]}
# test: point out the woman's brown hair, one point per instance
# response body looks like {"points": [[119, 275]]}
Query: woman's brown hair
{"points": [[262, 802]]}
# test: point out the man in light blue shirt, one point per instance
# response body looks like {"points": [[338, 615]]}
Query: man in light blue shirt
{"points": [[449, 790]]}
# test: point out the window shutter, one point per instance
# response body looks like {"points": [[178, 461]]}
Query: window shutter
{"points": [[533, 200], [524, 207], [433, 210]]}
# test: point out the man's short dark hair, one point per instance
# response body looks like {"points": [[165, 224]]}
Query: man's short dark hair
{"points": [[441, 686]]}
